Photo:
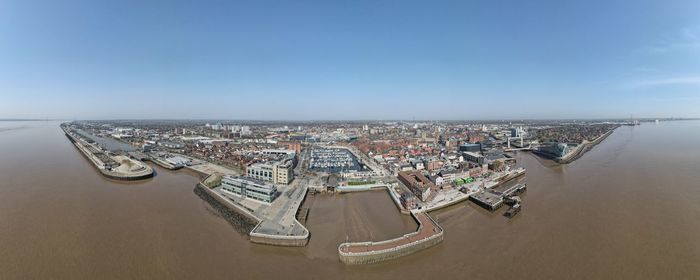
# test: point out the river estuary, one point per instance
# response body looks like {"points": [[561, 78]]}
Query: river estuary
{"points": [[628, 209]]}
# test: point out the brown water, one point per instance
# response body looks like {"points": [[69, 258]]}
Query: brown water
{"points": [[629, 209]]}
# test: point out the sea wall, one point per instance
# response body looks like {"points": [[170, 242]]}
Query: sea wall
{"points": [[126, 178], [584, 148], [375, 187], [279, 240], [375, 256], [245, 222], [240, 220]]}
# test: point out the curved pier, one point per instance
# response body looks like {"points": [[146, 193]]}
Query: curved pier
{"points": [[429, 233]]}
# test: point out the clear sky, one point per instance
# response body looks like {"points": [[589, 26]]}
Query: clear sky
{"points": [[349, 59]]}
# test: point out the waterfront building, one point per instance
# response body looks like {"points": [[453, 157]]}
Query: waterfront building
{"points": [[283, 172], [420, 185], [178, 161], [260, 171], [555, 149], [249, 188], [278, 172], [408, 201], [147, 147]]}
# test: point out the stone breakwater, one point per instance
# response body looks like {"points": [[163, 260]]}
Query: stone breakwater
{"points": [[240, 222], [429, 234]]}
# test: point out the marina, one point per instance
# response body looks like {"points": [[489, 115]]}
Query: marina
{"points": [[333, 160]]}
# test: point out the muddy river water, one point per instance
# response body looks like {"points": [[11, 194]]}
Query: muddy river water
{"points": [[628, 209]]}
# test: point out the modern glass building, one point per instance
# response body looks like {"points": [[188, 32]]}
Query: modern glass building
{"points": [[470, 147], [555, 149], [249, 188]]}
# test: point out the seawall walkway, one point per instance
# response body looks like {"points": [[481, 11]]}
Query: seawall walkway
{"points": [[429, 233]]}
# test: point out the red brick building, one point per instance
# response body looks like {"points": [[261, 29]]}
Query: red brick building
{"points": [[420, 185]]}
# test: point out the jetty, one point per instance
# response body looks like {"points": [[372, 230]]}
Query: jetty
{"points": [[117, 167], [493, 199], [429, 233]]}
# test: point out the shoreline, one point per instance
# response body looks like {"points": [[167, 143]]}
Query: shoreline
{"points": [[584, 148], [578, 152], [259, 227]]}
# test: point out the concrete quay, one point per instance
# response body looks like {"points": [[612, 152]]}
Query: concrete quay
{"points": [[278, 224], [395, 197], [128, 169], [164, 164], [274, 223]]}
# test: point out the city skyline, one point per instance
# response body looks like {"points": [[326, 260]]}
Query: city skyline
{"points": [[360, 61]]}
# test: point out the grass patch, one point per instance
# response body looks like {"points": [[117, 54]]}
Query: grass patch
{"points": [[359, 183], [213, 181]]}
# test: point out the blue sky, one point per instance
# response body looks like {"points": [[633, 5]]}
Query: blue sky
{"points": [[349, 59]]}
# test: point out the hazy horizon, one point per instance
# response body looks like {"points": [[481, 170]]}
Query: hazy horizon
{"points": [[365, 60], [352, 120]]}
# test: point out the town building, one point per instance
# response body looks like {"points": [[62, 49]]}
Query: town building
{"points": [[555, 149], [420, 185], [278, 172], [470, 147], [249, 188], [474, 158], [417, 164], [278, 152], [408, 201]]}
